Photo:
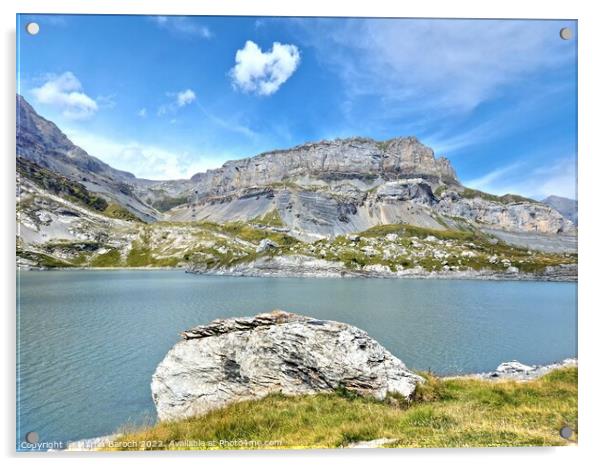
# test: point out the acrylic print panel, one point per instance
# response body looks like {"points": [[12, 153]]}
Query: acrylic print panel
{"points": [[263, 232]]}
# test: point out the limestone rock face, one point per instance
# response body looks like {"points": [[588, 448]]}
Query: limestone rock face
{"points": [[247, 358], [352, 158], [519, 216]]}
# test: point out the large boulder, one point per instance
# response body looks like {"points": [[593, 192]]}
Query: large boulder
{"points": [[247, 358]]}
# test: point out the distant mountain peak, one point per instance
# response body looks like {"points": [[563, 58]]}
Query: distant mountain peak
{"points": [[568, 208]]}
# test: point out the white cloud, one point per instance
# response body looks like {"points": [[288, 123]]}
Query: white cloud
{"points": [[183, 26], [144, 160], [264, 72], [559, 177], [142, 112], [65, 93], [179, 100], [185, 97]]}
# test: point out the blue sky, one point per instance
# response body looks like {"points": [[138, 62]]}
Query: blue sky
{"points": [[166, 97]]}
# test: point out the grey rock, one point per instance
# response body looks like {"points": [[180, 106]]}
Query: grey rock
{"points": [[512, 368], [265, 245], [248, 358], [524, 216]]}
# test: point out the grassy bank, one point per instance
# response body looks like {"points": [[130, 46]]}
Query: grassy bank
{"points": [[445, 413]]}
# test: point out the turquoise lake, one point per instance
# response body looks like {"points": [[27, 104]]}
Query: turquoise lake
{"points": [[89, 341]]}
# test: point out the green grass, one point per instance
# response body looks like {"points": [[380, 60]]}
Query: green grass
{"points": [[247, 232], [469, 193], [139, 256], [72, 190], [419, 232], [444, 413], [271, 219], [60, 185], [440, 190], [43, 260], [484, 247], [167, 203], [110, 258], [116, 211], [211, 245]]}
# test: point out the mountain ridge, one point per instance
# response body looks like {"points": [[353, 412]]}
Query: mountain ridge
{"points": [[309, 192]]}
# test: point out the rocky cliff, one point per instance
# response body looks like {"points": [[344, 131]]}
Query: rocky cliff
{"points": [[357, 159], [329, 188], [248, 358]]}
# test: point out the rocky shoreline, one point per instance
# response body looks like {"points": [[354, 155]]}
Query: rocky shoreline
{"points": [[515, 370], [317, 268], [308, 267]]}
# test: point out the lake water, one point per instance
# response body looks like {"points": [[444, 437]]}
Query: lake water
{"points": [[89, 341]]}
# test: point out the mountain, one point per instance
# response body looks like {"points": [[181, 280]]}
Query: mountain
{"points": [[329, 188], [567, 207], [332, 201], [40, 141]]}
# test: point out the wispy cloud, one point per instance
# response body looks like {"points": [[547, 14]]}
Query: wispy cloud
{"points": [[231, 124], [263, 73], [65, 93], [488, 180], [183, 26], [557, 177], [430, 65], [144, 160], [450, 138], [445, 143]]}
